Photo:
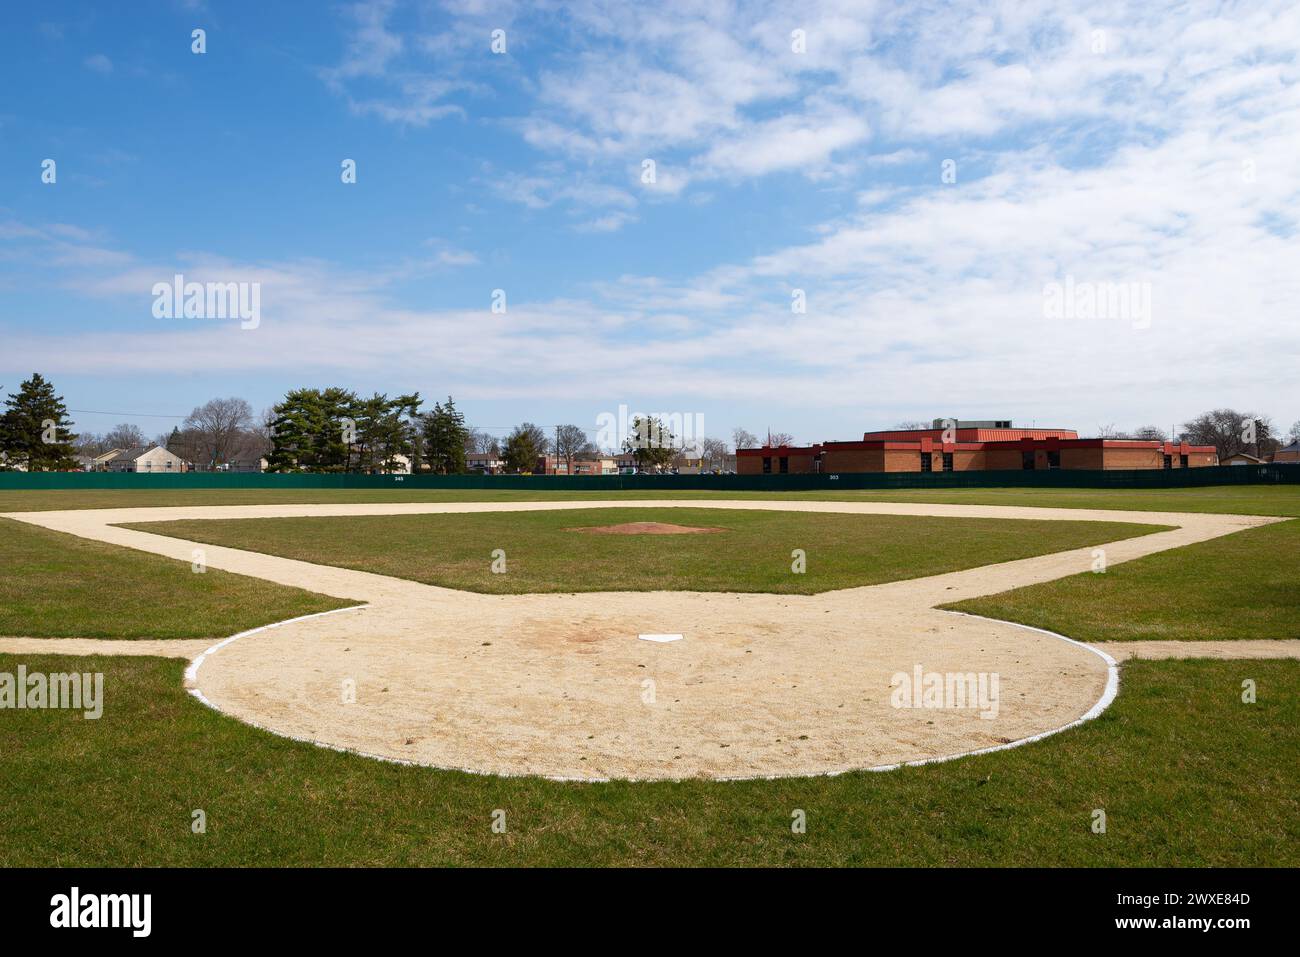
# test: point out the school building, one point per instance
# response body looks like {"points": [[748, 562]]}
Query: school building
{"points": [[977, 446]]}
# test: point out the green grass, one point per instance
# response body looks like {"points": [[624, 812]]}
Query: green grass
{"points": [[1186, 773], [54, 585], [753, 553], [1243, 500], [1244, 585]]}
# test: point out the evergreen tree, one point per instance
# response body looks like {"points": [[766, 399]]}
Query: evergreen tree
{"points": [[444, 439], [334, 430], [524, 446], [311, 431], [34, 429]]}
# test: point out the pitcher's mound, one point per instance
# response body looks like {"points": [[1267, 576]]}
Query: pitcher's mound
{"points": [[645, 528]]}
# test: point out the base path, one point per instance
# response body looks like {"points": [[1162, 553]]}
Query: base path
{"points": [[560, 685]]}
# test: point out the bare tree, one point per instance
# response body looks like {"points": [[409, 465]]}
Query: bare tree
{"points": [[1230, 431], [1294, 434], [571, 443], [912, 426], [478, 441], [91, 443], [713, 453], [125, 436], [775, 439], [744, 439], [1150, 433], [218, 426], [1108, 432]]}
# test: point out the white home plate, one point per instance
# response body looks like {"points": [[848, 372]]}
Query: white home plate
{"points": [[660, 637]]}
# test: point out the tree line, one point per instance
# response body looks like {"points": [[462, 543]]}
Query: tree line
{"points": [[338, 430]]}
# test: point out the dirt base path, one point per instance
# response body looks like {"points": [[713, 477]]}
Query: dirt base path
{"points": [[561, 685]]}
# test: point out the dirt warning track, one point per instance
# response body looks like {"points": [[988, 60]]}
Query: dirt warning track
{"points": [[559, 685]]}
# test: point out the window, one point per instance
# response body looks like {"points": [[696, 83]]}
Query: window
{"points": [[1169, 461], [785, 465], [947, 461], [1182, 461], [767, 465], [927, 462], [1027, 461], [1053, 460]]}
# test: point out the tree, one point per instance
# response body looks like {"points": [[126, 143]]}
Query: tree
{"points": [[383, 429], [713, 454], [1108, 432], [1150, 433], [1294, 434], [217, 427], [444, 439], [650, 442], [309, 430], [913, 426], [775, 439], [90, 443], [1230, 431], [125, 436], [480, 442], [35, 432], [571, 443], [743, 439], [524, 446]]}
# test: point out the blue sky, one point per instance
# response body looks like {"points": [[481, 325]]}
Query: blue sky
{"points": [[1140, 145]]}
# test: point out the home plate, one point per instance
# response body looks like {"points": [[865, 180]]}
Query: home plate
{"points": [[660, 638]]}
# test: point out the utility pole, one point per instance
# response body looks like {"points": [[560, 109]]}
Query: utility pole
{"points": [[557, 451]]}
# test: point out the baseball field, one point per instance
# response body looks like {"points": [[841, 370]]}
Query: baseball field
{"points": [[983, 677]]}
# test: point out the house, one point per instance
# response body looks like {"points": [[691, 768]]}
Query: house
{"points": [[1288, 454], [1242, 458], [155, 459], [489, 463], [977, 446], [397, 465], [99, 463]]}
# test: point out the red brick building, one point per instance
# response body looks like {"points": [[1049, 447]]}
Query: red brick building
{"points": [[972, 448]]}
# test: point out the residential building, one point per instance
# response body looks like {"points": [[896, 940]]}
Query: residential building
{"points": [[155, 459], [489, 463]]}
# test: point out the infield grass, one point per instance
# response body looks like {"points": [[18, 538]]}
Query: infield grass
{"points": [[754, 552]]}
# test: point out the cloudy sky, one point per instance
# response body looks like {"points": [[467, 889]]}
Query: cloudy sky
{"points": [[929, 181]]}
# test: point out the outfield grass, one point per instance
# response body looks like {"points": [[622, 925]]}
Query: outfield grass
{"points": [[1186, 773], [752, 554], [54, 585], [1241, 500], [1244, 585]]}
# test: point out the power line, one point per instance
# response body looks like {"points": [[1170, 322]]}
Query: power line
{"points": [[128, 415]]}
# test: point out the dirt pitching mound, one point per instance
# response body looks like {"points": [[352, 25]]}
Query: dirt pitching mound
{"points": [[645, 528]]}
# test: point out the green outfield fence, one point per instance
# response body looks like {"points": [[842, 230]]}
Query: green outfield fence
{"points": [[1055, 478]]}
